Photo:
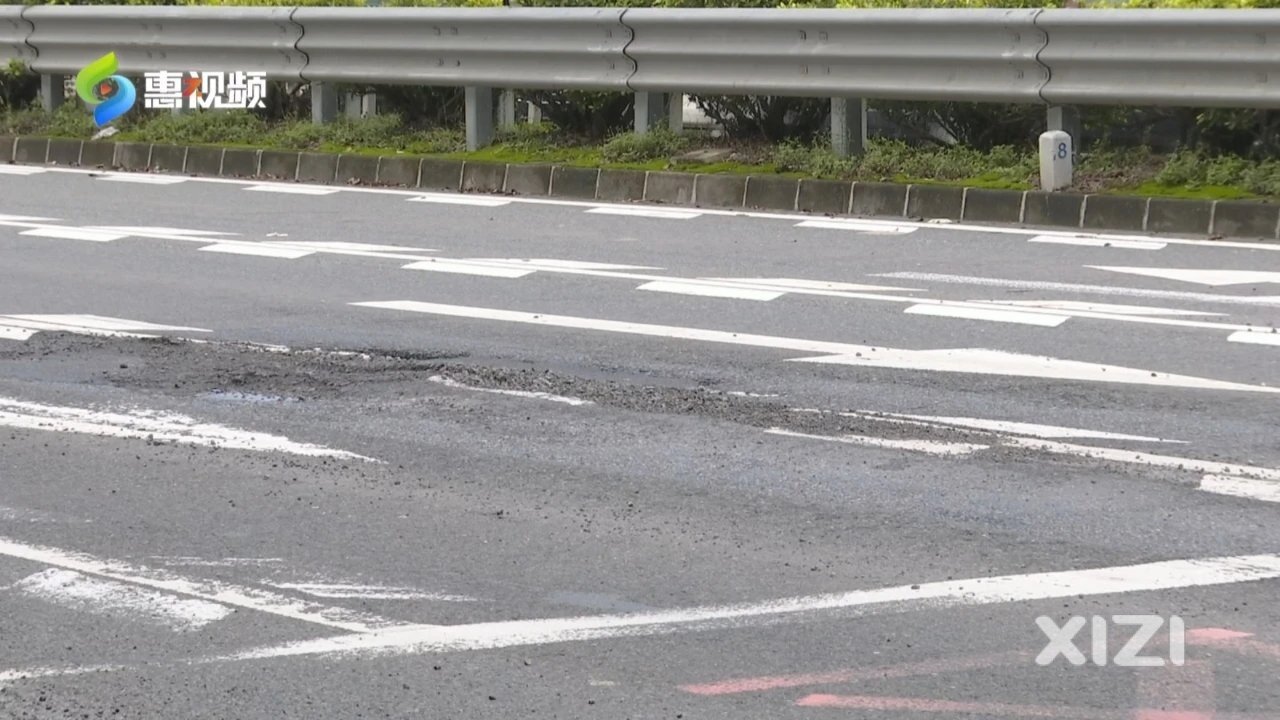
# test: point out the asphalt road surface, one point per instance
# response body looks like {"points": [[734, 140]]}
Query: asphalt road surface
{"points": [[317, 452]]}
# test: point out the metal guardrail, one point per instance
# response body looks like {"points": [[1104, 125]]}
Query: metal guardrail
{"points": [[555, 48], [14, 32]]}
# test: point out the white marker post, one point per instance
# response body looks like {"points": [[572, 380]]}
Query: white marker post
{"points": [[1055, 160]]}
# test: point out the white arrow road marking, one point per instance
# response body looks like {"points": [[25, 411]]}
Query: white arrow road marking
{"points": [[214, 591], [1168, 462], [929, 447], [969, 312], [474, 200], [646, 212], [293, 189], [1255, 337], [74, 590], [1202, 277], [262, 249], [961, 360], [1014, 428], [155, 426], [1095, 241], [1036, 285], [564, 399], [970, 592], [1241, 487], [21, 327], [70, 233]]}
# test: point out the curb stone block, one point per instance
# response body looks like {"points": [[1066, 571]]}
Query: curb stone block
{"points": [[719, 190], [6, 147], [574, 182], [672, 188], [31, 150], [275, 164], [1001, 206], [830, 197], [168, 158], [1245, 219], [202, 161], [1061, 209], [771, 193], [319, 167], [1179, 216], [133, 156], [401, 171], [64, 152], [528, 180], [237, 162], [621, 185], [98, 154], [483, 177], [1114, 212], [355, 170], [874, 198], [935, 201], [440, 174]]}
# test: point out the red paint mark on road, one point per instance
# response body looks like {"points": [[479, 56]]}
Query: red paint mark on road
{"points": [[1235, 641], [927, 667], [1176, 692], [1210, 635], [929, 705]]}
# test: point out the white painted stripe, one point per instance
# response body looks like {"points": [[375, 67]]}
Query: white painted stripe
{"points": [[143, 179], [20, 170], [71, 589], [1096, 241], [1133, 457], [1255, 338], [960, 360], [9, 676], [928, 596], [474, 200], [693, 287], [160, 230], [259, 250], [1199, 276], [190, 561], [464, 267], [87, 323], [293, 189], [155, 426], [8, 332], [552, 264], [646, 212], [337, 246], [1086, 289], [70, 233], [214, 591], [928, 447], [1018, 428], [1105, 308], [799, 284], [1241, 487], [21, 219], [969, 312], [564, 399], [370, 592], [857, 226]]}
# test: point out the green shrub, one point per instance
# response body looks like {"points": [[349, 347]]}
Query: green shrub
{"points": [[633, 147], [236, 127]]}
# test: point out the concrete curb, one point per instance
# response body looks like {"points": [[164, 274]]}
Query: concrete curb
{"points": [[1214, 218]]}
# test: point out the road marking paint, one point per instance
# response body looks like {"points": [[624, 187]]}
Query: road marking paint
{"points": [[1183, 691], [191, 561], [141, 179], [646, 212], [1016, 428], [955, 707], [1202, 277], [74, 590], [15, 327], [22, 219], [8, 676], [8, 332], [924, 667], [1163, 575], [265, 249], [370, 592], [338, 246], [564, 399], [70, 233], [293, 189], [1085, 289], [1255, 337], [1096, 241], [464, 267], [968, 312], [553, 264], [800, 284], [857, 226], [1103, 308], [214, 591], [929, 447], [155, 426], [1169, 462], [473, 200], [1239, 642], [693, 287], [20, 170], [1262, 490], [160, 230], [962, 360]]}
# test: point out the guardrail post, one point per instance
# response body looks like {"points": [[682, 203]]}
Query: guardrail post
{"points": [[848, 126], [535, 114], [675, 113], [506, 109], [651, 110], [324, 103], [52, 92], [1067, 119], [479, 114]]}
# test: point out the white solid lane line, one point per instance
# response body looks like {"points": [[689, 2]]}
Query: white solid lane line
{"points": [[869, 228], [264, 249], [969, 312], [70, 589], [928, 596], [928, 447], [1134, 457], [339, 591], [646, 212], [142, 179], [1017, 428], [293, 189], [1241, 487], [473, 200], [21, 327], [1258, 337], [1036, 285], [1102, 308], [465, 267], [70, 233], [960, 360], [214, 591], [1095, 241], [20, 170], [705, 289], [563, 399], [154, 426], [1215, 278], [9, 332]]}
